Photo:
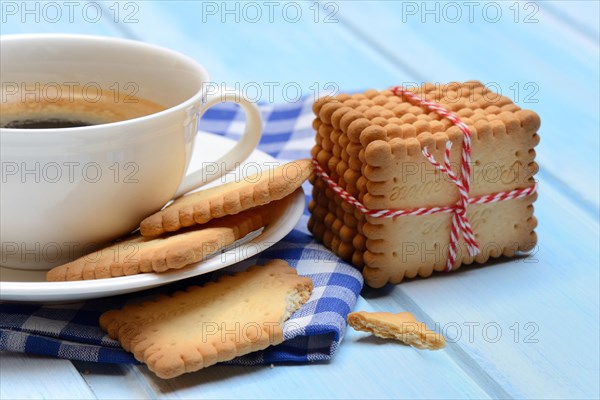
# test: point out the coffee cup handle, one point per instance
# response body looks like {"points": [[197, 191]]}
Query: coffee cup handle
{"points": [[239, 153]]}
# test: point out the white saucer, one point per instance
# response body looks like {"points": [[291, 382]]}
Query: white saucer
{"points": [[31, 286]]}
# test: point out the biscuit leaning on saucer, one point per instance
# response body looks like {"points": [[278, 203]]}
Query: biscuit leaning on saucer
{"points": [[137, 254], [185, 332], [403, 327], [228, 199]]}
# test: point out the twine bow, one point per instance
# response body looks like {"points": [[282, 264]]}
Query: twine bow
{"points": [[460, 221]]}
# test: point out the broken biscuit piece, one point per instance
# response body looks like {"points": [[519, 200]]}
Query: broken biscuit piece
{"points": [[204, 325], [403, 327]]}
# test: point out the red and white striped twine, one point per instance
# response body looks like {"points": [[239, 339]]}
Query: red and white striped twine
{"points": [[460, 222]]}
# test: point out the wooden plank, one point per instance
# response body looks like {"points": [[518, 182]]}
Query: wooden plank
{"points": [[515, 52], [275, 59], [115, 381], [31, 377], [534, 320], [582, 16]]}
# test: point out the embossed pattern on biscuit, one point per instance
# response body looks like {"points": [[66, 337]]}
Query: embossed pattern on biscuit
{"points": [[219, 321], [228, 199], [374, 142]]}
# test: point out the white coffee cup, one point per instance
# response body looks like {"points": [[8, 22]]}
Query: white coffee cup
{"points": [[64, 191]]}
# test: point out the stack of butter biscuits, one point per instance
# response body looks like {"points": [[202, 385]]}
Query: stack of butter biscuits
{"points": [[370, 144]]}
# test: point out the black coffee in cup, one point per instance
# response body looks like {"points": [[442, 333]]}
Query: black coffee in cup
{"points": [[45, 123], [55, 107]]}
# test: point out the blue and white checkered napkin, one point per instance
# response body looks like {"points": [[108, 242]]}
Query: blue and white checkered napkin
{"points": [[312, 333]]}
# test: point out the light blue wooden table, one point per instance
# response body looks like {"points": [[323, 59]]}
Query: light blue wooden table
{"points": [[520, 329]]}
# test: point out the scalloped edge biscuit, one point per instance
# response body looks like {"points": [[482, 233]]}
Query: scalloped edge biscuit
{"points": [[205, 325], [228, 199]]}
